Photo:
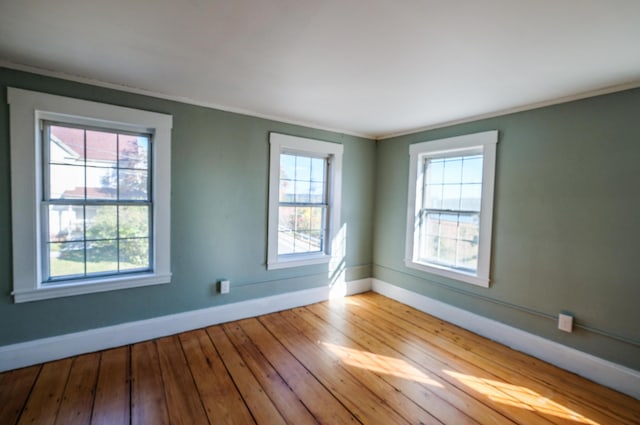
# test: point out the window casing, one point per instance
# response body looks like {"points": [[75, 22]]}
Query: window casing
{"points": [[90, 196], [304, 200], [449, 214]]}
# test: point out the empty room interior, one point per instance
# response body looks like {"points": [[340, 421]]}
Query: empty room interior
{"points": [[319, 212]]}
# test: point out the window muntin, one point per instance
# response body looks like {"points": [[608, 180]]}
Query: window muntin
{"points": [[450, 205], [303, 204], [98, 202], [305, 180]]}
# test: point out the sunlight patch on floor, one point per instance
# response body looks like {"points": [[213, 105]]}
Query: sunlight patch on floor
{"points": [[518, 396], [380, 364]]}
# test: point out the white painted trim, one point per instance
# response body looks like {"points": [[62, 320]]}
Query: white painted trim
{"points": [[47, 349], [602, 371]]}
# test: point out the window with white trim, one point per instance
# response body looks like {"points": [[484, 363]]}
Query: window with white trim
{"points": [[90, 196], [449, 214], [304, 200]]}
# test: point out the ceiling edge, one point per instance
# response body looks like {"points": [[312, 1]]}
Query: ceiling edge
{"points": [[181, 99], [526, 107]]}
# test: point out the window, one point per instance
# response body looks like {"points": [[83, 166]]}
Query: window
{"points": [[450, 206], [90, 189], [304, 200]]}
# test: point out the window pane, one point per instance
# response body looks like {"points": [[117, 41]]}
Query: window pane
{"points": [[133, 221], [286, 225], [133, 151], [101, 183], [287, 167], [102, 148], [317, 169], [470, 197], [101, 222], [451, 196], [303, 168], [317, 193], [302, 191], [452, 170], [66, 182], [433, 196], [472, 169], [467, 255], [66, 258], [435, 169], [134, 254], [66, 145], [133, 185], [66, 223], [287, 190], [102, 256]]}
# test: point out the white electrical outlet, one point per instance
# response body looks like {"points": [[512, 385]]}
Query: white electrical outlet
{"points": [[565, 322], [224, 286]]}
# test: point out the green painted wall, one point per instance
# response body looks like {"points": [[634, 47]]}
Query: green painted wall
{"points": [[218, 216], [566, 223]]}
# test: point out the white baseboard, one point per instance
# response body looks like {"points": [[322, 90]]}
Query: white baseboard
{"points": [[602, 371], [47, 349]]}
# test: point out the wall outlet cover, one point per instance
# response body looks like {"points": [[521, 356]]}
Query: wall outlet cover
{"points": [[565, 322]]}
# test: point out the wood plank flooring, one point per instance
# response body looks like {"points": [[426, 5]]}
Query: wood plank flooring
{"points": [[362, 360]]}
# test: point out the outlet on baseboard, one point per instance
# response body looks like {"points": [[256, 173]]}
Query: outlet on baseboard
{"points": [[565, 322], [224, 286]]}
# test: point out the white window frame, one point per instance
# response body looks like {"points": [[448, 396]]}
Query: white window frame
{"points": [[280, 143], [27, 110], [484, 142]]}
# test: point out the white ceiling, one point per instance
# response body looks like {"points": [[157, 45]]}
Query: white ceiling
{"points": [[366, 67]]}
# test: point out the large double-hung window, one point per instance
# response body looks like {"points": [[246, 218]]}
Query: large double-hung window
{"points": [[90, 196], [450, 206], [304, 200]]}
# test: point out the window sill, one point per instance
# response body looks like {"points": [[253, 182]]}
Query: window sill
{"points": [[449, 273], [90, 286], [298, 261]]}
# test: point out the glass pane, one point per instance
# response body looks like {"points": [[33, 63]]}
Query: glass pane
{"points": [[472, 169], [287, 190], [303, 168], [66, 258], [287, 167], [433, 196], [452, 170], [133, 151], [317, 169], [317, 214], [317, 193], [133, 221], [302, 191], [470, 197], [101, 222], [66, 145], [102, 256], [435, 169], [134, 254], [467, 255], [448, 226], [102, 148], [101, 183], [286, 225], [66, 223], [469, 228], [133, 185], [451, 197], [446, 251], [66, 182], [302, 243]]}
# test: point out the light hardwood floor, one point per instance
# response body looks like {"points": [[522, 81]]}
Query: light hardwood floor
{"points": [[365, 359]]}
